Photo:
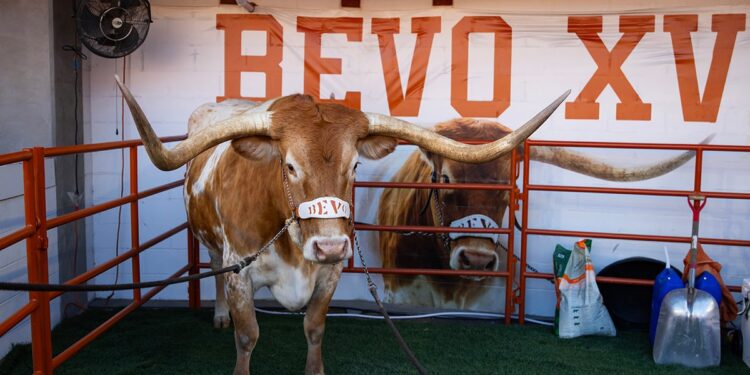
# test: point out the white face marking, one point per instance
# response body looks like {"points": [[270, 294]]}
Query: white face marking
{"points": [[208, 169], [298, 173]]}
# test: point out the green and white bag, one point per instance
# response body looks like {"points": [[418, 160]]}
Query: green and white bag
{"points": [[580, 310]]}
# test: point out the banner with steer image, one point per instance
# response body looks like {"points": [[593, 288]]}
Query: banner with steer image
{"points": [[667, 76]]}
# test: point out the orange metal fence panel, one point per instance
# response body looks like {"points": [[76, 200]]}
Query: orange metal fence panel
{"points": [[35, 234], [697, 190]]}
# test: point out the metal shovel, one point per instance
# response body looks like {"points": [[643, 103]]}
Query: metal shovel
{"points": [[688, 331]]}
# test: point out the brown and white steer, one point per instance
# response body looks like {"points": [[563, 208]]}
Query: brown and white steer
{"points": [[468, 208], [236, 199]]}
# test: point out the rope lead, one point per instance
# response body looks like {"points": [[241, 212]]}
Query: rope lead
{"points": [[236, 268], [374, 291]]}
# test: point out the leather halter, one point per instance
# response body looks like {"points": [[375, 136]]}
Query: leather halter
{"points": [[316, 208]]}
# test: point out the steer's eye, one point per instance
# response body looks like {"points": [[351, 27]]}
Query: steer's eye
{"points": [[291, 170], [354, 170], [446, 179]]}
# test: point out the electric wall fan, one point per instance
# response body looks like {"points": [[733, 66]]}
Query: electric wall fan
{"points": [[113, 28]]}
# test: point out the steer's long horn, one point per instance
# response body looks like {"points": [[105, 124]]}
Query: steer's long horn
{"points": [[433, 142], [252, 123], [583, 164]]}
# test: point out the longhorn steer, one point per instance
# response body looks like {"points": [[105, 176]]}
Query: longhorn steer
{"points": [[252, 165], [467, 208]]}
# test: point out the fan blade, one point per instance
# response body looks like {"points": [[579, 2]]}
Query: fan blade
{"points": [[88, 22], [128, 44], [105, 42]]}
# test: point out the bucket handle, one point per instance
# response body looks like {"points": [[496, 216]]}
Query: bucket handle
{"points": [[666, 257]]}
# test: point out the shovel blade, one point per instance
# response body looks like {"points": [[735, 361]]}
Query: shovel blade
{"points": [[688, 332]]}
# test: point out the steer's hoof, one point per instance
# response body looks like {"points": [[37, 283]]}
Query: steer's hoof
{"points": [[221, 321]]}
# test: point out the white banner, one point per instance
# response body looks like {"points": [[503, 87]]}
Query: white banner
{"points": [[667, 76]]}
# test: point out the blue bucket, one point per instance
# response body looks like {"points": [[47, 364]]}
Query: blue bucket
{"points": [[708, 283], [665, 282]]}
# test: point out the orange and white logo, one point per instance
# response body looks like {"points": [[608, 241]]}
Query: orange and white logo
{"points": [[324, 208]]}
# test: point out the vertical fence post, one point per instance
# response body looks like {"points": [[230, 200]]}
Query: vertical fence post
{"points": [[194, 286], [698, 170], [512, 207], [350, 263], [134, 221], [524, 234], [36, 257]]}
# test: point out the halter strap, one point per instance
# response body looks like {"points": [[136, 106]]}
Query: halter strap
{"points": [[318, 208], [285, 182]]}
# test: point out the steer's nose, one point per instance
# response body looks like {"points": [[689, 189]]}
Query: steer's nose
{"points": [[330, 250], [476, 260]]}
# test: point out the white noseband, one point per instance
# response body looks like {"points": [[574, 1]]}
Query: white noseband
{"points": [[475, 221], [324, 208]]}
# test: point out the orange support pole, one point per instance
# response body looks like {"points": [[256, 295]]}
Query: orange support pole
{"points": [[512, 207], [134, 222], [350, 263], [524, 234], [36, 256], [698, 170], [194, 287]]}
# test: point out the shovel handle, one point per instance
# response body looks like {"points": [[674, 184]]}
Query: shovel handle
{"points": [[696, 203]]}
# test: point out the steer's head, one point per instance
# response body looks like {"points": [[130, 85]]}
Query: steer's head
{"points": [[318, 147], [470, 208]]}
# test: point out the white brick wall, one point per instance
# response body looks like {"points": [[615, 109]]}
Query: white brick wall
{"points": [[26, 120]]}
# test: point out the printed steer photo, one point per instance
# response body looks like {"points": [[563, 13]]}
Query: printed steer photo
{"points": [[468, 208], [252, 165]]}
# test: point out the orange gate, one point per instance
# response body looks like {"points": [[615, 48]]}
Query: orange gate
{"points": [[35, 233], [37, 224]]}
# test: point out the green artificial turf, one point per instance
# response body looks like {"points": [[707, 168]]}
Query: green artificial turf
{"points": [[180, 341]]}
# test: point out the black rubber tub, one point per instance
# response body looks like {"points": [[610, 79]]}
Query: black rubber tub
{"points": [[630, 305]]}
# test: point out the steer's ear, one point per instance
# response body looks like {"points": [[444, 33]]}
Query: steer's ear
{"points": [[256, 148], [376, 146]]}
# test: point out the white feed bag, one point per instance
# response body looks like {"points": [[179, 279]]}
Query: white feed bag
{"points": [[581, 310]]}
